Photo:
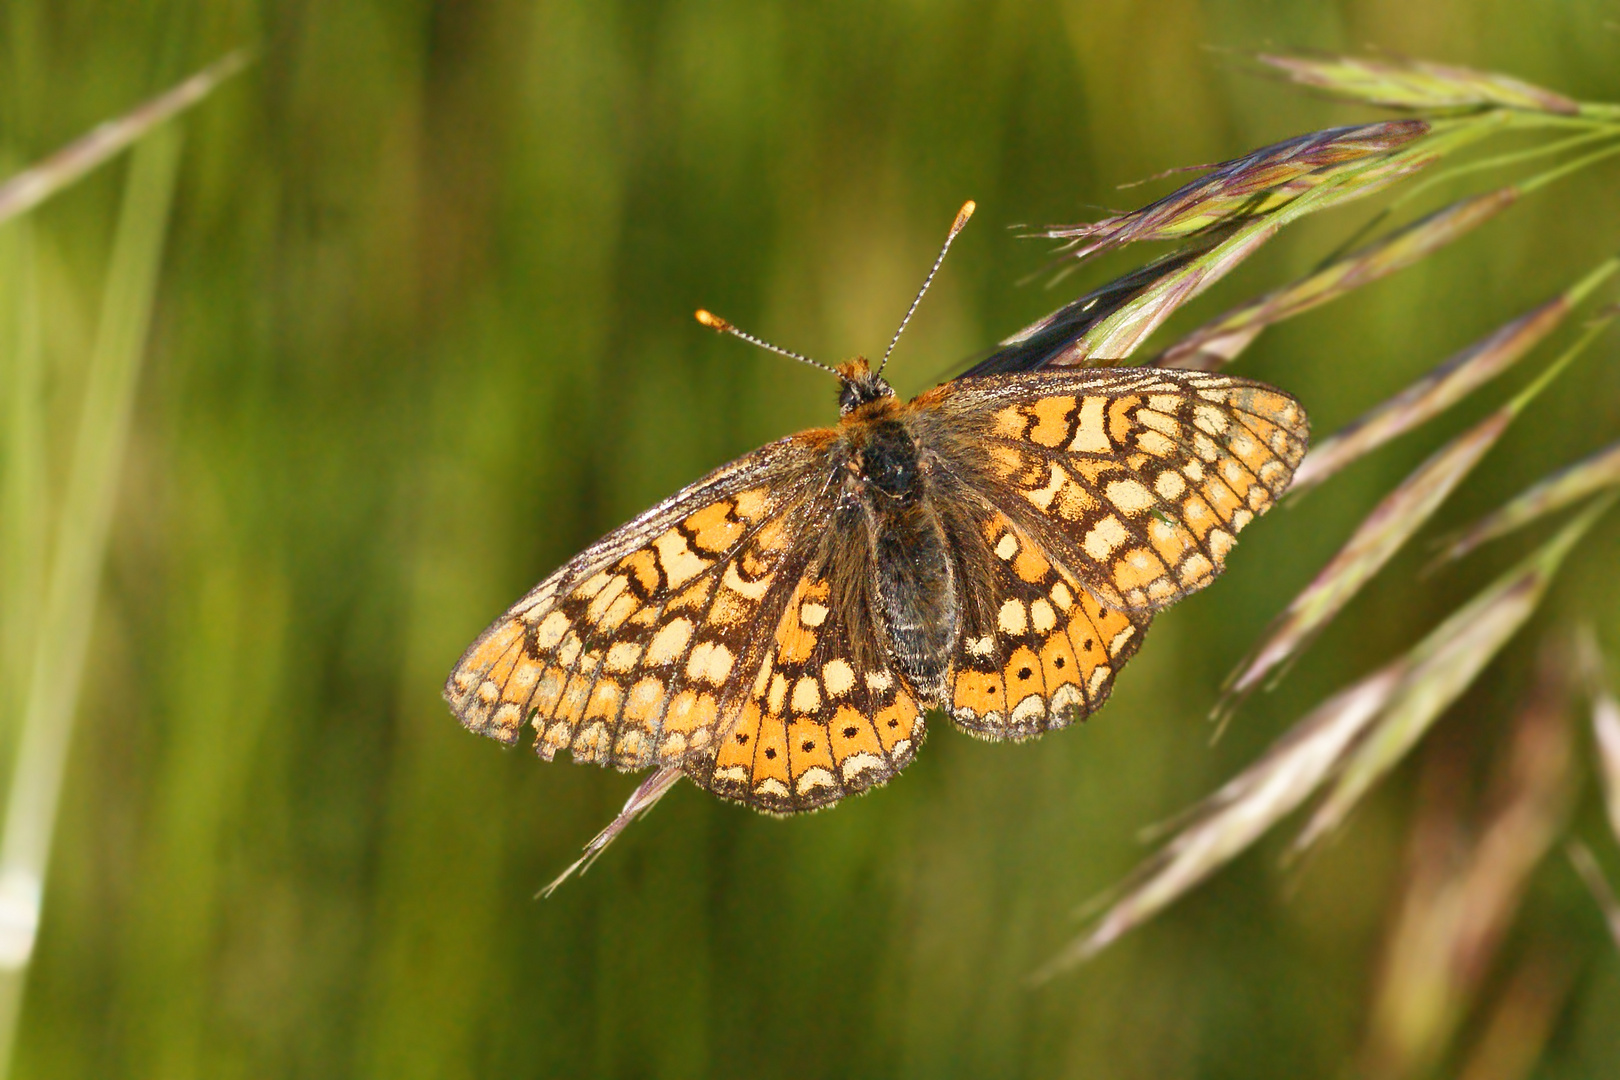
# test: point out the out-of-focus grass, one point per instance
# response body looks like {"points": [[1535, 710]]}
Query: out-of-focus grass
{"points": [[424, 331]]}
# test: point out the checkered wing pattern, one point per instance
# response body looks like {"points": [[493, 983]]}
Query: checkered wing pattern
{"points": [[1136, 481], [626, 655], [825, 717]]}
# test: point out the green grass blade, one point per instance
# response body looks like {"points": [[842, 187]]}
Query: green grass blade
{"points": [[79, 551]]}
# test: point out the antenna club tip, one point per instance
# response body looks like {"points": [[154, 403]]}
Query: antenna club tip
{"points": [[963, 214], [711, 320]]}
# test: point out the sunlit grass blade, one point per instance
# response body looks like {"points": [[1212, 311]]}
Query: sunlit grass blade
{"points": [[1566, 486], [1598, 884], [78, 551], [1253, 185], [1233, 818], [34, 185], [1443, 665], [1416, 84], [643, 799], [1375, 541], [1466, 877], [1445, 385], [1221, 341]]}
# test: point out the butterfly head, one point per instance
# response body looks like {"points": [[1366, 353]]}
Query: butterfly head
{"points": [[861, 385]]}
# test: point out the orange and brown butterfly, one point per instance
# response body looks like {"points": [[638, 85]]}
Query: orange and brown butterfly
{"points": [[994, 548]]}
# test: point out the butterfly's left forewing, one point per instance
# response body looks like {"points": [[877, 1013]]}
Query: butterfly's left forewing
{"points": [[1136, 480], [1091, 498]]}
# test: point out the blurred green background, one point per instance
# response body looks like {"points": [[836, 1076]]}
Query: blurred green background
{"points": [[424, 330]]}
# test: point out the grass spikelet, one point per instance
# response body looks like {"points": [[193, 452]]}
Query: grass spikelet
{"points": [[641, 800], [1466, 878], [1254, 185], [1563, 488], [1223, 826], [1445, 385], [1443, 665], [1416, 84], [1392, 522], [1219, 342], [64, 622], [34, 185]]}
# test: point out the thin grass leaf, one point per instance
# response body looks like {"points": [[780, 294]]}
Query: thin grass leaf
{"points": [[641, 800], [1443, 665], [1376, 540], [80, 545], [1467, 877], [1250, 186], [1227, 823], [33, 186], [1416, 84], [1566, 486], [1445, 385], [1586, 865], [1221, 341]]}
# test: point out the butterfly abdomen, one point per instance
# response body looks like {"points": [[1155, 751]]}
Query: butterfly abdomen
{"points": [[911, 561]]}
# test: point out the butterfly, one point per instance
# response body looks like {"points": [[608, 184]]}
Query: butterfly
{"points": [[995, 548]]}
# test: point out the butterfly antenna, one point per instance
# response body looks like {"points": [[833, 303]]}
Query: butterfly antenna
{"points": [[715, 322], [962, 216]]}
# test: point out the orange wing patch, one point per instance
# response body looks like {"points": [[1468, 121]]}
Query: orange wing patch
{"points": [[1047, 651], [817, 725]]}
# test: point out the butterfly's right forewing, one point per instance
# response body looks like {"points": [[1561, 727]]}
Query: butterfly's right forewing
{"points": [[624, 655]]}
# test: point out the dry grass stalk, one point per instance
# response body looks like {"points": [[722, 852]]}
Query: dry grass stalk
{"points": [[1391, 523], [641, 800], [1222, 340], [1254, 185], [34, 185], [1443, 665], [1445, 385], [1417, 84], [1563, 488], [1466, 879], [1234, 817]]}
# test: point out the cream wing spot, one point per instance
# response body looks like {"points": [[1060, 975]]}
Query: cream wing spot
{"points": [[1013, 618], [1104, 537], [838, 677], [669, 642]]}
